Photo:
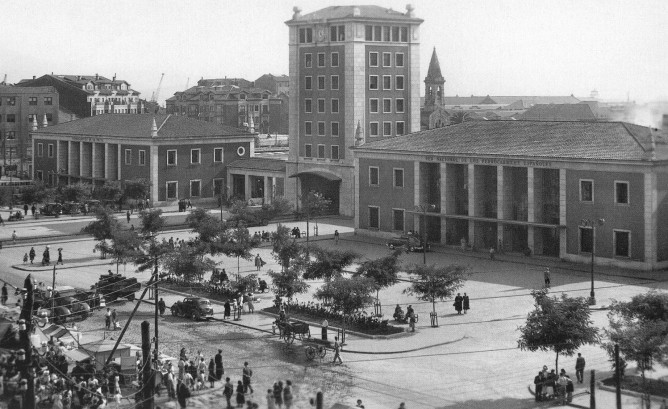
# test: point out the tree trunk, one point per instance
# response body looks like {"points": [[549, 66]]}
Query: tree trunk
{"points": [[556, 363]]}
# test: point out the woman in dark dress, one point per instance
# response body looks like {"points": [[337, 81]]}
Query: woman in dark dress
{"points": [[458, 303], [212, 372], [278, 394], [241, 399], [466, 303], [228, 311]]}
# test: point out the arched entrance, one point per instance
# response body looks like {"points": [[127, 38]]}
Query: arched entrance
{"points": [[326, 183]]}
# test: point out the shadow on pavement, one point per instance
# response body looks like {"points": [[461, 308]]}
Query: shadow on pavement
{"points": [[504, 403]]}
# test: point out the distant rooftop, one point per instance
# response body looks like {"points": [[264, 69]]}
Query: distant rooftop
{"points": [[354, 12], [559, 112]]}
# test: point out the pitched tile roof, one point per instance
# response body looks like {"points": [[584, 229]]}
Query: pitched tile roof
{"points": [[559, 112], [541, 139], [139, 126], [274, 165], [10, 90], [361, 12]]}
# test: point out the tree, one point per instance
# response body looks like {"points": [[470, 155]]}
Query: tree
{"points": [[187, 262], [73, 193], [436, 283], [102, 229], [287, 283], [313, 205], [123, 247], [37, 193], [237, 242], [207, 227], [347, 295], [152, 221], [284, 247], [640, 328], [561, 325], [328, 263], [459, 117], [383, 271], [111, 190], [137, 188]]}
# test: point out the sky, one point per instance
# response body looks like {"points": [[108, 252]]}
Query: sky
{"points": [[485, 47]]}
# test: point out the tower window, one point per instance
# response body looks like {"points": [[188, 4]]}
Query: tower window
{"points": [[399, 59], [305, 35], [399, 82], [373, 82]]}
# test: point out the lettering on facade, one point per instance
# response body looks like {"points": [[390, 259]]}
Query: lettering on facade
{"points": [[488, 161], [86, 139]]}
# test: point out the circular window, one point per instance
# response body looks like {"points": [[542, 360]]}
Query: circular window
{"points": [[241, 151]]}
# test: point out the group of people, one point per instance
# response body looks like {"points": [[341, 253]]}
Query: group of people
{"points": [[238, 304], [549, 385], [111, 319], [461, 303], [46, 256], [262, 236]]}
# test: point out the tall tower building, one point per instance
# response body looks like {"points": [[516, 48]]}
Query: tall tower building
{"points": [[433, 83], [354, 78]]}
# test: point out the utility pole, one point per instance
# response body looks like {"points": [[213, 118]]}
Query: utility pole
{"points": [[155, 292], [618, 380], [53, 293], [592, 390], [147, 379], [25, 329]]}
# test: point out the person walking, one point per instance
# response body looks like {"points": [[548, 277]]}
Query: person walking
{"points": [[278, 394], [458, 303], [546, 277], [228, 391], [5, 294], [271, 402], [251, 307], [227, 309], [14, 237], [538, 381], [2, 221], [336, 237], [218, 360], [107, 318], [579, 368], [60, 256], [212, 373], [25, 209], [247, 374], [337, 351], [258, 262], [31, 254], [466, 303], [113, 318], [127, 216], [182, 394], [33, 209], [162, 307]]}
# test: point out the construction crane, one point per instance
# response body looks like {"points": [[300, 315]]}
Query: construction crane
{"points": [[4, 81], [156, 94]]}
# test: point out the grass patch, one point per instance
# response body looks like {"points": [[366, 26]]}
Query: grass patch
{"points": [[655, 387], [388, 330]]}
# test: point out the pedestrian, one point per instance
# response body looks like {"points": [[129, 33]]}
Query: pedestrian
{"points": [[458, 303], [412, 319], [336, 237], [247, 374], [538, 381], [127, 216], [258, 262], [324, 324], [271, 402], [46, 256], [170, 382], [107, 318], [33, 209], [60, 256], [337, 351], [492, 252], [466, 303], [562, 383], [113, 319], [220, 370], [182, 394], [241, 398], [251, 307], [4, 295], [162, 306], [228, 309], [31, 254], [287, 394], [359, 404], [25, 258], [212, 372], [14, 237], [228, 391], [570, 388], [25, 209], [2, 221], [278, 394], [546, 276], [579, 368]]}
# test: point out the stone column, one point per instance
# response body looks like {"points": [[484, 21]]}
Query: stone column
{"points": [[562, 213], [93, 160], [247, 187], [444, 202], [471, 168], [265, 190], [416, 194], [118, 159], [530, 207], [650, 210], [106, 161], [70, 161], [81, 148], [153, 163], [356, 183]]}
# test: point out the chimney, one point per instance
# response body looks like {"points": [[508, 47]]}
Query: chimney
{"points": [[34, 76], [114, 77], [97, 77], [154, 129], [410, 10], [34, 122]]}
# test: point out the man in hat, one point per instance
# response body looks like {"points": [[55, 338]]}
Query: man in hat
{"points": [[220, 370]]}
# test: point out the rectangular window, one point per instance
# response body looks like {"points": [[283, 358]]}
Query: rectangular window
{"points": [[39, 175], [399, 105], [373, 129], [10, 135], [387, 82], [376, 33], [195, 156], [622, 243], [395, 34], [308, 105], [321, 129], [373, 176], [195, 188], [335, 105], [308, 60], [334, 128], [321, 60], [172, 190], [308, 83], [40, 150], [142, 158], [374, 217], [321, 106], [400, 127], [335, 152], [398, 219], [373, 82], [387, 105], [373, 59], [305, 35], [386, 33], [368, 33], [387, 59], [11, 118], [399, 82], [307, 151], [218, 155], [321, 82], [48, 101], [50, 150], [398, 177], [373, 105], [586, 190], [337, 33], [404, 35], [586, 239], [171, 157], [308, 128], [334, 82], [334, 59], [49, 117], [128, 156], [399, 59], [321, 151], [32, 101], [622, 192], [11, 101], [387, 128]]}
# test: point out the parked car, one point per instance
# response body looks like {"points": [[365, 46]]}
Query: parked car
{"points": [[71, 208], [66, 304], [93, 205], [407, 241], [51, 209], [193, 307], [115, 286]]}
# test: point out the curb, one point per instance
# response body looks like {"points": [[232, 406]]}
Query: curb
{"points": [[599, 385], [62, 267]]}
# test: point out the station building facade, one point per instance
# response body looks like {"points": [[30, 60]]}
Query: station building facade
{"points": [[518, 185], [181, 157]]}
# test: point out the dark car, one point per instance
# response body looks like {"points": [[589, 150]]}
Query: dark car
{"points": [[115, 286], [71, 208], [192, 307], [67, 305], [51, 209], [408, 242]]}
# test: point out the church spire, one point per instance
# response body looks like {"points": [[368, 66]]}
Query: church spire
{"points": [[433, 83], [434, 72]]}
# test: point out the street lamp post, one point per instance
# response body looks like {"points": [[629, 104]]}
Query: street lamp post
{"points": [[591, 223], [423, 208]]}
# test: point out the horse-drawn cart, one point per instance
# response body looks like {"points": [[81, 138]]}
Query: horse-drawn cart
{"points": [[289, 331]]}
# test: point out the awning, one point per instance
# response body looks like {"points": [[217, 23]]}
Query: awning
{"points": [[325, 175]]}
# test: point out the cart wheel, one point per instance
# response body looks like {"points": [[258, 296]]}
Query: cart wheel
{"points": [[310, 353], [289, 337], [322, 351]]}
